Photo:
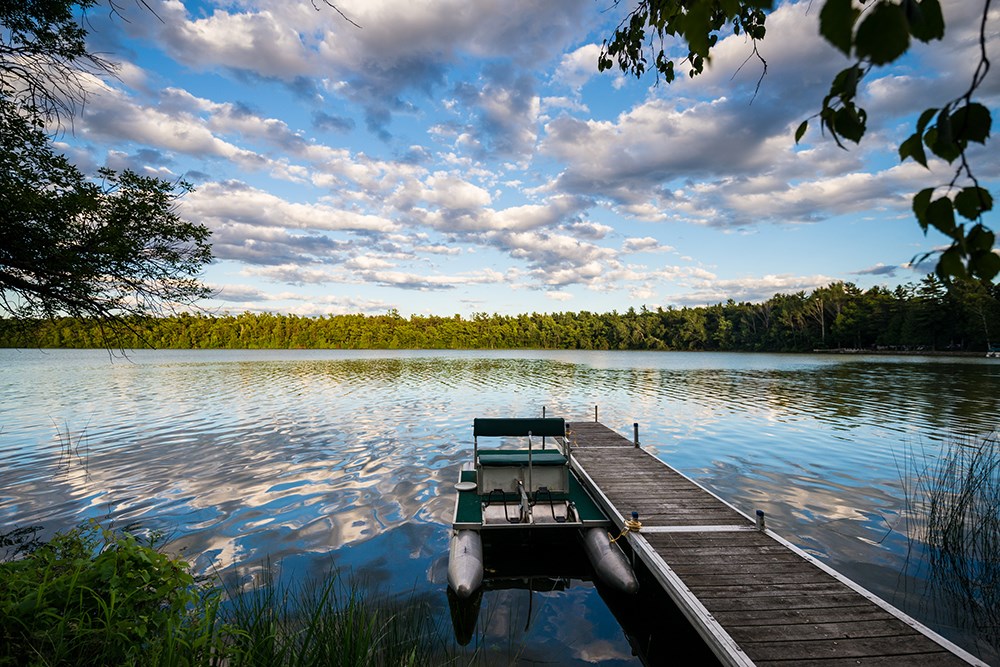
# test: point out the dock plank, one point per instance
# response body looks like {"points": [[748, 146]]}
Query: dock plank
{"points": [[883, 627], [753, 597], [747, 618], [902, 647], [935, 659]]}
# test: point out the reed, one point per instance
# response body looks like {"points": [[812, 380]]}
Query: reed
{"points": [[330, 621], [956, 495]]}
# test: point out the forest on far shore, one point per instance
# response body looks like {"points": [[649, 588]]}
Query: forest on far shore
{"points": [[926, 316]]}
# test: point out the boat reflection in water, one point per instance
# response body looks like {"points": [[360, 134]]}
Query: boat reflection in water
{"points": [[536, 565]]}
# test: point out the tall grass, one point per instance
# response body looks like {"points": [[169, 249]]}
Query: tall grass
{"points": [[955, 496], [963, 526], [330, 621]]}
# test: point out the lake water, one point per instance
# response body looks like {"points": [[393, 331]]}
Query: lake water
{"points": [[313, 459]]}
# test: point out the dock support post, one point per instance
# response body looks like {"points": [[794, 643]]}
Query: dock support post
{"points": [[760, 519], [635, 429], [595, 413]]}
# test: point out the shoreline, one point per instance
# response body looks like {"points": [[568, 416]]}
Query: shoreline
{"points": [[904, 353], [980, 354]]}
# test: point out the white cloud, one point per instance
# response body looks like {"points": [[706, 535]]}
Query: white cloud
{"points": [[578, 67], [232, 201], [481, 133], [439, 249], [514, 218], [259, 40], [549, 104], [423, 283], [248, 298], [644, 244], [367, 262], [112, 116], [446, 190], [295, 274]]}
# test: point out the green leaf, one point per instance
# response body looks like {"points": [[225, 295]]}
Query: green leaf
{"points": [[850, 123], [925, 19], [985, 265], [925, 118], [914, 148], [845, 84], [973, 201], [827, 115], [941, 215], [836, 23], [939, 138], [920, 203], [801, 130], [971, 123], [943, 126], [979, 240], [950, 264], [884, 35], [696, 26]]}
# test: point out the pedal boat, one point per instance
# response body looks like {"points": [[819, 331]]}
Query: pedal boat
{"points": [[530, 488]]}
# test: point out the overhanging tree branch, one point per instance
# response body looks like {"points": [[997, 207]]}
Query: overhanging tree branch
{"points": [[108, 248], [876, 34]]}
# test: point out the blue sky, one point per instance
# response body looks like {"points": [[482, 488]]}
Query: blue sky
{"points": [[459, 157]]}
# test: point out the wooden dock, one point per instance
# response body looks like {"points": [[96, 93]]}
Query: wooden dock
{"points": [[752, 596]]}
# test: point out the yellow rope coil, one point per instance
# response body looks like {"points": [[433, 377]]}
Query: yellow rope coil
{"points": [[631, 525]]}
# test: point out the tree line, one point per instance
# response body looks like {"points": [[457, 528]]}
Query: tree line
{"points": [[926, 316]]}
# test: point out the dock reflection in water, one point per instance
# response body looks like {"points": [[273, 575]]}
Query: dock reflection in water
{"points": [[314, 458]]}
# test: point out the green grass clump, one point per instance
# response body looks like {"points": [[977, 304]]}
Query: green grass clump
{"points": [[95, 596]]}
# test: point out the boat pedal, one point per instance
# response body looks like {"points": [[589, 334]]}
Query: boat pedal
{"points": [[489, 497]]}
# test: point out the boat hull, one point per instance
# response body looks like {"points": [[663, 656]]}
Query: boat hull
{"points": [[465, 562], [609, 562]]}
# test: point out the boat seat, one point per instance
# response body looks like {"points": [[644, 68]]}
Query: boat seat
{"points": [[519, 457]]}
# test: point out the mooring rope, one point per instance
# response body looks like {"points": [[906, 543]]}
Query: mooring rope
{"points": [[632, 525]]}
